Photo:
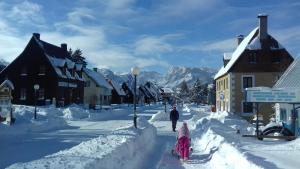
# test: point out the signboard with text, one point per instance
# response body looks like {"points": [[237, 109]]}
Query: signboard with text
{"points": [[268, 95]]}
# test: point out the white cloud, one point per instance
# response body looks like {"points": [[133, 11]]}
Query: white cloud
{"points": [[26, 13], [152, 45], [227, 45], [79, 14]]}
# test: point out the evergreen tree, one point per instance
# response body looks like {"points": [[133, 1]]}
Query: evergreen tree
{"points": [[183, 90], [77, 57], [199, 92]]}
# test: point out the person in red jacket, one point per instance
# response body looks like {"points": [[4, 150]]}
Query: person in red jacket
{"points": [[183, 142]]}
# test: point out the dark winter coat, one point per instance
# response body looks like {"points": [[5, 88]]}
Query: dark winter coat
{"points": [[174, 115]]}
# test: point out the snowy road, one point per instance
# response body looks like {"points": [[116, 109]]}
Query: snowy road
{"points": [[214, 139]]}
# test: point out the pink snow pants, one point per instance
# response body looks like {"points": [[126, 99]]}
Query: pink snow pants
{"points": [[183, 147]]}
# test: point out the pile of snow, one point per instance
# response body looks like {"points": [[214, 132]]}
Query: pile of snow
{"points": [[186, 108], [160, 116], [222, 153], [47, 119], [215, 136], [120, 149], [75, 112]]}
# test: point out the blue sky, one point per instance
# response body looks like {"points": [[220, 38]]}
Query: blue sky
{"points": [[152, 34]]}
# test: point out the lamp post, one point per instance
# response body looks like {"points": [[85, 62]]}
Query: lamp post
{"points": [[135, 71], [36, 88]]}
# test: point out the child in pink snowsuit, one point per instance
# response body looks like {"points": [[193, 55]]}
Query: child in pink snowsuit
{"points": [[183, 142]]}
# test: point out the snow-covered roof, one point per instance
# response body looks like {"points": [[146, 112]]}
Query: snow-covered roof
{"points": [[8, 83], [78, 67], [167, 90], [78, 77], [290, 78], [69, 75], [236, 54], [118, 88], [59, 72], [56, 62], [227, 56], [97, 77], [70, 64]]}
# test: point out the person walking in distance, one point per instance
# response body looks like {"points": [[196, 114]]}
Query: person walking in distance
{"points": [[174, 116]]}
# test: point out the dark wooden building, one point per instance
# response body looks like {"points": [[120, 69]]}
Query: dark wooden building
{"points": [[51, 67]]}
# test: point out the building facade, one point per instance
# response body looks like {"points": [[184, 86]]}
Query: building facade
{"points": [[97, 91], [259, 60], [50, 67]]}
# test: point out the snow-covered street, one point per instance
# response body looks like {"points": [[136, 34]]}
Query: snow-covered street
{"points": [[95, 140]]}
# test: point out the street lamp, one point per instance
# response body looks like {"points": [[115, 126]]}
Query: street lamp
{"points": [[36, 88], [135, 71]]}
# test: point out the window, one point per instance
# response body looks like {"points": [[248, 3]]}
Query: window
{"points": [[87, 83], [23, 71], [41, 94], [23, 94], [283, 116], [42, 70], [275, 59], [252, 58], [247, 107], [247, 81]]}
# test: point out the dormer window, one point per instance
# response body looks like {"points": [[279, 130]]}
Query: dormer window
{"points": [[42, 70], [23, 71], [252, 58]]}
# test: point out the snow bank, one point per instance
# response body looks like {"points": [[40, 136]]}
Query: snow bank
{"points": [[222, 154], [160, 116], [75, 112], [47, 119], [119, 149], [215, 136]]}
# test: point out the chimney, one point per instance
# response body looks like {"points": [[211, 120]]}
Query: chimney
{"points": [[226, 58], [95, 69], [240, 38], [36, 35], [263, 26], [64, 46]]}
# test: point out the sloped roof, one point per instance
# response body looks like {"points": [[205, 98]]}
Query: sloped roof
{"points": [[167, 90], [97, 77], [8, 83], [291, 77], [53, 50], [236, 54], [118, 88]]}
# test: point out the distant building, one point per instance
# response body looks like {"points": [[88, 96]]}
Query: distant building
{"points": [[97, 91], [259, 60], [51, 68], [6, 88], [128, 93], [117, 94]]}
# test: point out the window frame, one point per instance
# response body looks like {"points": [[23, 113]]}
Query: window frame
{"points": [[23, 94]]}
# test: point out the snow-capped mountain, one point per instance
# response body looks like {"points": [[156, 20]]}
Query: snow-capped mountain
{"points": [[174, 77], [113, 76]]}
